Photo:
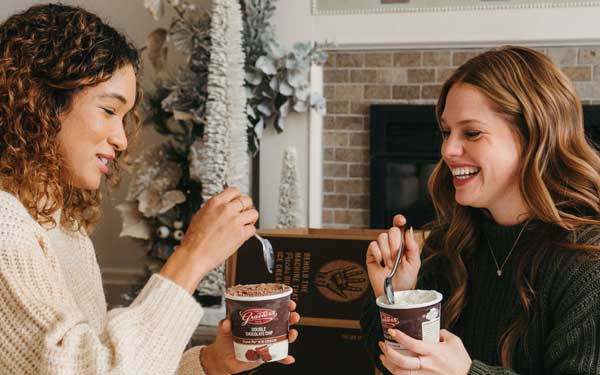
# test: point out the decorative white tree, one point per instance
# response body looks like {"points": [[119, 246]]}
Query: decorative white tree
{"points": [[289, 191], [224, 157]]}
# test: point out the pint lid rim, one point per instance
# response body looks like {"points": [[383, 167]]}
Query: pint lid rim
{"points": [[380, 300]]}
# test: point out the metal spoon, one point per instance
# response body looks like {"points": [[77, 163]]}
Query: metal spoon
{"points": [[267, 250], [387, 283]]}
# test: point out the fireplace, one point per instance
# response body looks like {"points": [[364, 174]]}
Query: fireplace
{"points": [[405, 146]]}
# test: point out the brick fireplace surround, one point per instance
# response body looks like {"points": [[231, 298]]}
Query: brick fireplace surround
{"points": [[354, 80]]}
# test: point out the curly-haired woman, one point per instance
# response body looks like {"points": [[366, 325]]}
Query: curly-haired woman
{"points": [[68, 93], [515, 249]]}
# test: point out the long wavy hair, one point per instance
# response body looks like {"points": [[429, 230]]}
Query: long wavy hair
{"points": [[47, 54], [559, 176]]}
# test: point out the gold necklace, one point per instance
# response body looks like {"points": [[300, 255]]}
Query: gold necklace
{"points": [[498, 267]]}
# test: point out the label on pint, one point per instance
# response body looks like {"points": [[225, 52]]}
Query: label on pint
{"points": [[260, 326], [415, 313]]}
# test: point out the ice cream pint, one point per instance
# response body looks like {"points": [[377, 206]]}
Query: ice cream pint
{"points": [[415, 312], [259, 315]]}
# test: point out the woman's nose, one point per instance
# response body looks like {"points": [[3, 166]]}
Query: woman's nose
{"points": [[118, 139], [452, 147]]}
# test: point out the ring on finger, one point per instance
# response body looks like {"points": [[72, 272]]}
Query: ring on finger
{"points": [[418, 363]]}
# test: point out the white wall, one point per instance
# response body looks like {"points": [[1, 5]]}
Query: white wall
{"points": [[294, 22]]}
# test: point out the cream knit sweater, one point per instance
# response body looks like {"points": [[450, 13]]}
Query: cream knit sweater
{"points": [[53, 317]]}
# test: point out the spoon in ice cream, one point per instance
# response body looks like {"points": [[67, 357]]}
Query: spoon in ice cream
{"points": [[387, 283]]}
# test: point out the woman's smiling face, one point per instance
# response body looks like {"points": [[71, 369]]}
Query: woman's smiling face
{"points": [[92, 131], [482, 150]]}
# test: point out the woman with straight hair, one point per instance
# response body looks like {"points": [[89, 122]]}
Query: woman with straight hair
{"points": [[68, 92], [515, 247]]}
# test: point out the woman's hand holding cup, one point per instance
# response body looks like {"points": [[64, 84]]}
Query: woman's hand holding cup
{"points": [[382, 253], [219, 358], [215, 232]]}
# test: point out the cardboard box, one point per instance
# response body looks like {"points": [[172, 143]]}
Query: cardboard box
{"points": [[326, 268]]}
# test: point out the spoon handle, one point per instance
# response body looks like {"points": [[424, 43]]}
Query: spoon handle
{"points": [[400, 251]]}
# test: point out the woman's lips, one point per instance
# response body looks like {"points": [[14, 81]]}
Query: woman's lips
{"points": [[102, 164], [460, 181]]}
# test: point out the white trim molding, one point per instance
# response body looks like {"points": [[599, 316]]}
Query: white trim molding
{"points": [[316, 11], [464, 29], [315, 154], [461, 45]]}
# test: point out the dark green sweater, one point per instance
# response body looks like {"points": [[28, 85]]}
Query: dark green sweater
{"points": [[563, 335]]}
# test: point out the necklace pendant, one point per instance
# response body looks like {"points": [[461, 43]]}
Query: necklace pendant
{"points": [[499, 273]]}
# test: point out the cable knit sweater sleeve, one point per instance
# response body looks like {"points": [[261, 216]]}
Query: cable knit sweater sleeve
{"points": [[43, 330], [571, 293], [573, 344]]}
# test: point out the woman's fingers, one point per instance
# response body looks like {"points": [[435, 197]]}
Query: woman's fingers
{"points": [[288, 360], [248, 217], [228, 195], [446, 336], [374, 252], [411, 247], [244, 220], [248, 231], [398, 360], [241, 203], [292, 335], [399, 221], [294, 318], [390, 366], [384, 247], [411, 344], [225, 327], [394, 238]]}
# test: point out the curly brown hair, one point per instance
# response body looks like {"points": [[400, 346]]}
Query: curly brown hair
{"points": [[47, 54]]}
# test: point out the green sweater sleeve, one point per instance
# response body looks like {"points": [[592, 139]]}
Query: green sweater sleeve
{"points": [[480, 368], [573, 342]]}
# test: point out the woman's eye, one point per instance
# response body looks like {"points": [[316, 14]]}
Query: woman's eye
{"points": [[109, 111], [445, 134], [472, 134]]}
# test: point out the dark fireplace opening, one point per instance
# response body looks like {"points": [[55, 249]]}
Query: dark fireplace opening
{"points": [[405, 147]]}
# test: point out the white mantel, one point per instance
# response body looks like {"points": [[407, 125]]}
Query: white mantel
{"points": [[539, 26], [412, 30]]}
